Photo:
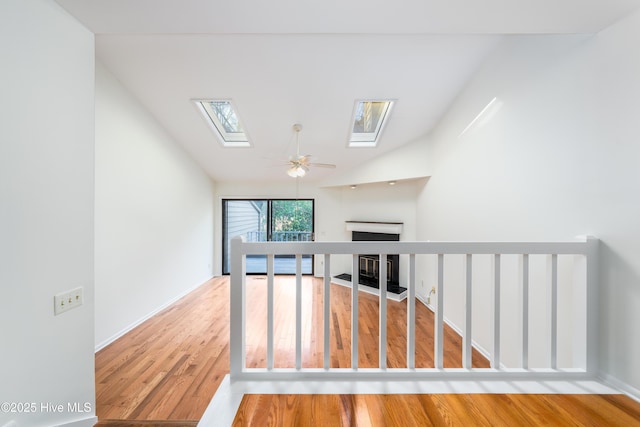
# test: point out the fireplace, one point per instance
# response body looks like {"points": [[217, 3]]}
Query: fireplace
{"points": [[369, 265]]}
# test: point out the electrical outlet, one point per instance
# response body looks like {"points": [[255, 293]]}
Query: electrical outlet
{"points": [[67, 300], [433, 291]]}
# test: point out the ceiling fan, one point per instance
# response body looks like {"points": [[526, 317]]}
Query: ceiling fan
{"points": [[299, 165]]}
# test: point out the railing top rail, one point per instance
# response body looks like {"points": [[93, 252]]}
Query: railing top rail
{"points": [[411, 247]]}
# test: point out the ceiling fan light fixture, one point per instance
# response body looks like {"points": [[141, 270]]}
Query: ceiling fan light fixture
{"points": [[299, 165], [296, 171]]}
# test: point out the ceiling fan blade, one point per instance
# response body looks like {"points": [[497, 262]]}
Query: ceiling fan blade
{"points": [[322, 165], [304, 161]]}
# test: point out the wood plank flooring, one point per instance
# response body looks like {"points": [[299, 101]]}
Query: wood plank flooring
{"points": [[394, 410], [169, 367], [312, 329], [146, 423]]}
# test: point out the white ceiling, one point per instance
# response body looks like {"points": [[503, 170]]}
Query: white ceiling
{"points": [[304, 61]]}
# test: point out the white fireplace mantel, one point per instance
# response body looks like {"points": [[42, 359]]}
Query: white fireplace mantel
{"points": [[375, 227]]}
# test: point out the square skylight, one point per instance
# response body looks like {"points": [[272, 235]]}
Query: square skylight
{"points": [[223, 118], [369, 118]]}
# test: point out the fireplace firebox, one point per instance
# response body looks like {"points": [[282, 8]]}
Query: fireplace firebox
{"points": [[369, 264]]}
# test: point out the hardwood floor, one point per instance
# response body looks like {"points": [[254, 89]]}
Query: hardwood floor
{"points": [[146, 423], [170, 367], [393, 410], [312, 329]]}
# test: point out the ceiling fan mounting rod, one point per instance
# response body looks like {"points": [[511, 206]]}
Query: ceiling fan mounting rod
{"points": [[297, 128]]}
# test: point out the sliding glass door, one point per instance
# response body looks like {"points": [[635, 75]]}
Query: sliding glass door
{"points": [[263, 220]]}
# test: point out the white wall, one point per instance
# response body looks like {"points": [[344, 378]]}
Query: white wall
{"points": [[559, 158], [46, 212], [384, 203], [410, 161], [154, 214]]}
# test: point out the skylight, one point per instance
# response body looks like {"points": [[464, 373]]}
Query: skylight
{"points": [[224, 120], [369, 118]]}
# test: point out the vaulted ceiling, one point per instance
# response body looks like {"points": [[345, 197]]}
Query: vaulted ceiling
{"points": [[304, 61]]}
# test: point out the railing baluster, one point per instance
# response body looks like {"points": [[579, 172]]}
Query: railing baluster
{"points": [[270, 331], [355, 279], [382, 321], [411, 314], [554, 311], [495, 359], [466, 338], [525, 311], [298, 311], [327, 311], [438, 324]]}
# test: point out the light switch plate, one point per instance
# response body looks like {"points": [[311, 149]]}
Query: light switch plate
{"points": [[67, 300]]}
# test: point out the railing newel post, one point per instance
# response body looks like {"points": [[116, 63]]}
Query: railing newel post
{"points": [[592, 303], [237, 295]]}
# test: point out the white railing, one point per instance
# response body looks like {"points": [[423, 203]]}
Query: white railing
{"points": [[585, 298], [280, 236]]}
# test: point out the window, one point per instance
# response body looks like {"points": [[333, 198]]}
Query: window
{"points": [[268, 220], [369, 118], [224, 120]]}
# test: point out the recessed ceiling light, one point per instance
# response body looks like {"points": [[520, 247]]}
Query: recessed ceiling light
{"points": [[392, 183], [353, 187]]}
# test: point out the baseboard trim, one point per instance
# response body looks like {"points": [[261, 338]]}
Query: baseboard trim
{"points": [[147, 423], [474, 343], [84, 422], [140, 321], [368, 289], [627, 389]]}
